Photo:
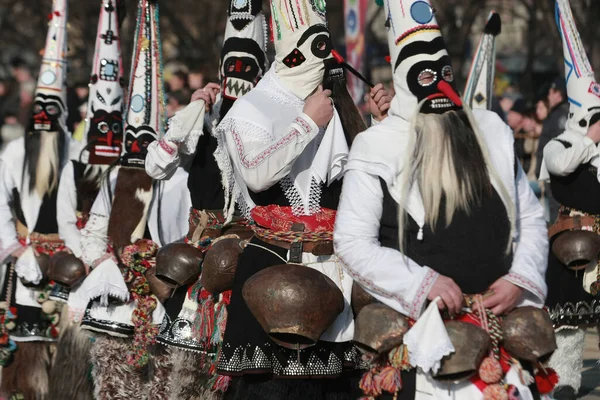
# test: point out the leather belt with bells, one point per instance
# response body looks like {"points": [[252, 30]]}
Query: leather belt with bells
{"points": [[320, 248]]}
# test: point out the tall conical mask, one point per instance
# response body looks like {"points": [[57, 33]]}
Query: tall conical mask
{"points": [[146, 117], [582, 89], [420, 62], [480, 84], [302, 43], [104, 120], [243, 59], [50, 101]]}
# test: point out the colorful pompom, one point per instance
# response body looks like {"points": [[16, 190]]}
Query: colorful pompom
{"points": [[546, 380], [495, 392], [490, 370]]}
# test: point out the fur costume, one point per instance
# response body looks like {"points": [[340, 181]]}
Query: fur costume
{"points": [[192, 374], [567, 360], [70, 375], [34, 358]]}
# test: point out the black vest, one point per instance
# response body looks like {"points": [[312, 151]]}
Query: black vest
{"points": [[579, 190], [204, 181], [471, 250]]}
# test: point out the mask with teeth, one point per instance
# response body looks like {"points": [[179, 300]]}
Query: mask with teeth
{"points": [[302, 43], [243, 59], [146, 118], [421, 65], [50, 100], [582, 88], [104, 120]]}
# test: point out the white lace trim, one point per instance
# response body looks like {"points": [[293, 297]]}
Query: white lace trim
{"points": [[270, 85], [186, 140], [291, 193], [428, 341]]}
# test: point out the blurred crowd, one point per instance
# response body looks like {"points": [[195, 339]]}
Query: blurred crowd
{"points": [[535, 121]]}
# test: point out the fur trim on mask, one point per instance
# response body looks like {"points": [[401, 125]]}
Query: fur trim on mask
{"points": [[191, 377], [133, 194], [567, 360], [69, 377], [28, 373]]}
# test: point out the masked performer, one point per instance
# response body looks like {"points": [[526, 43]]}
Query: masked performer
{"points": [[79, 185], [282, 149], [571, 163], [30, 169], [432, 206], [194, 329], [129, 220]]}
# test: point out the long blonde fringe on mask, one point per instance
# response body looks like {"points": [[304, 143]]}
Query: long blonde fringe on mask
{"points": [[437, 175], [47, 165]]}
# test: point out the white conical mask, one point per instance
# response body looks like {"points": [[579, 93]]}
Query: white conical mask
{"points": [[104, 120], [582, 89], [50, 101], [146, 116], [302, 42], [480, 84]]}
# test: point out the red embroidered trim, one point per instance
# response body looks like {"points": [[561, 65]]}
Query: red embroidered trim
{"points": [[362, 281], [526, 283], [303, 124], [253, 163], [416, 29], [421, 296], [165, 146]]}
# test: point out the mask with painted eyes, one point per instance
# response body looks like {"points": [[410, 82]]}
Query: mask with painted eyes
{"points": [[104, 119], [105, 137], [420, 61], [48, 113], [136, 145], [583, 92], [302, 43]]}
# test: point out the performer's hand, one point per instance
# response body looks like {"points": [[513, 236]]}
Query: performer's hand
{"points": [[504, 298], [319, 107], [450, 293], [208, 94], [379, 102]]}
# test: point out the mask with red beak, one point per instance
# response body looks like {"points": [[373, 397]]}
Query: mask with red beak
{"points": [[49, 104], [104, 120], [421, 65], [146, 119]]}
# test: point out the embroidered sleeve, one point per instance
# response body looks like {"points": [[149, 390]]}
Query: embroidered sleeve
{"points": [[66, 211], [385, 273], [8, 233], [162, 159], [530, 259], [260, 160]]}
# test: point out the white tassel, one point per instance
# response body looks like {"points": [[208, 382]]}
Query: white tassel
{"points": [[420, 234]]}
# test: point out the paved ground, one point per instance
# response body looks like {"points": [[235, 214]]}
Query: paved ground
{"points": [[590, 387]]}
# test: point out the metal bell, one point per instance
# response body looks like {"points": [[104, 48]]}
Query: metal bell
{"points": [[378, 329], [528, 334]]}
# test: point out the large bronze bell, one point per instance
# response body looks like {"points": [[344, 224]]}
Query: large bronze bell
{"points": [[220, 263], [378, 329], [294, 304], [66, 269], [528, 334], [360, 298], [577, 249], [178, 264], [471, 344], [163, 291]]}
